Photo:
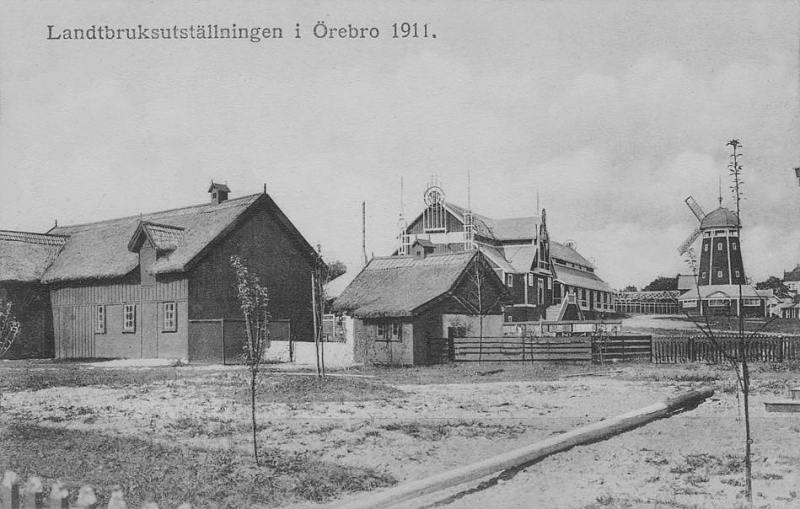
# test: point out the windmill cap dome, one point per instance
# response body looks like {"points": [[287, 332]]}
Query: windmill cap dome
{"points": [[720, 218]]}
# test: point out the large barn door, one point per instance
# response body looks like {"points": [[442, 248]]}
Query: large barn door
{"points": [[205, 341]]}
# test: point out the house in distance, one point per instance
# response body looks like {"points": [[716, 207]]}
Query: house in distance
{"points": [[543, 276], [161, 285]]}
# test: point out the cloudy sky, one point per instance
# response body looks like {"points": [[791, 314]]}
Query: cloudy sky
{"points": [[613, 111]]}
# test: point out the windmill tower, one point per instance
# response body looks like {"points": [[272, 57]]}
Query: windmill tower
{"points": [[720, 253]]}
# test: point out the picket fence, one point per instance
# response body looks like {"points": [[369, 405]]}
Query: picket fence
{"points": [[31, 495]]}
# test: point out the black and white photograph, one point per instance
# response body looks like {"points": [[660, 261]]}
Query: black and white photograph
{"points": [[410, 255]]}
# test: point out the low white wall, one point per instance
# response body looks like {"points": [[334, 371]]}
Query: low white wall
{"points": [[337, 355]]}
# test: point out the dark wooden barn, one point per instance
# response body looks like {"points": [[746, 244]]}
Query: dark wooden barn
{"points": [[401, 304], [161, 285]]}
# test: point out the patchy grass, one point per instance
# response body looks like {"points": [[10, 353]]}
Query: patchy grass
{"points": [[17, 377], [176, 474]]}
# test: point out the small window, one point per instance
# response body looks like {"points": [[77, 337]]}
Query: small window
{"points": [[703, 275], [717, 303], [689, 303], [705, 248], [510, 280], [738, 274], [100, 320], [390, 331], [170, 317], [549, 284], [734, 246], [719, 246], [530, 279], [719, 273], [752, 302], [129, 318]]}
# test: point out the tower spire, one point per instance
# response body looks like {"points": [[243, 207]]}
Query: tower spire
{"points": [[720, 190]]}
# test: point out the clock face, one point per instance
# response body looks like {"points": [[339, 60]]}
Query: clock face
{"points": [[434, 196]]}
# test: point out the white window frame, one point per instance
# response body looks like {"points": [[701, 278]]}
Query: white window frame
{"points": [[689, 303], [734, 246], [529, 277], [549, 283], [719, 273], [718, 303], [719, 246], [751, 301], [510, 280], [129, 318], [100, 320], [170, 318]]}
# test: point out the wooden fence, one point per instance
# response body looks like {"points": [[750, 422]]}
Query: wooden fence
{"points": [[31, 495], [603, 348], [533, 349], [622, 349], [761, 348]]}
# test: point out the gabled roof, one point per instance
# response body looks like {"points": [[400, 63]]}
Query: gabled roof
{"points": [[164, 238], [504, 230], [575, 277], [25, 256], [100, 250], [218, 187], [568, 254], [399, 286], [521, 257]]}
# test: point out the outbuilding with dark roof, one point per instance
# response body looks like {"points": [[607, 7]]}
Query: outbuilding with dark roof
{"points": [[402, 304]]}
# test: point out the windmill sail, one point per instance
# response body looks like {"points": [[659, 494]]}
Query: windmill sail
{"points": [[695, 208], [689, 241]]}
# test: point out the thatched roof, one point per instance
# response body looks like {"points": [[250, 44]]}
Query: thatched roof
{"points": [[25, 256], [101, 250], [399, 286]]}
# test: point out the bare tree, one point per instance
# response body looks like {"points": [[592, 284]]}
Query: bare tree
{"points": [[738, 360], [254, 302], [478, 299], [319, 279]]}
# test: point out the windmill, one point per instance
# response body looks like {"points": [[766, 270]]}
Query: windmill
{"points": [[700, 215]]}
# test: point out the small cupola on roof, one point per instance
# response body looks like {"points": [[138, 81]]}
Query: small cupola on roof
{"points": [[219, 193]]}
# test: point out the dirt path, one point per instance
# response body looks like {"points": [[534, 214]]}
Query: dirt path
{"points": [[690, 458]]}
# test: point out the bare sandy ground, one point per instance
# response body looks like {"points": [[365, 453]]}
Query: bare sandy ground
{"points": [[690, 458]]}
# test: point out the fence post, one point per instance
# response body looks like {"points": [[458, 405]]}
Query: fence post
{"points": [[86, 498], [451, 344], [34, 493], [59, 496], [9, 490], [692, 351], [117, 500]]}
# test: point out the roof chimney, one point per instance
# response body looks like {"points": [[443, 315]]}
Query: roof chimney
{"points": [[219, 193]]}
